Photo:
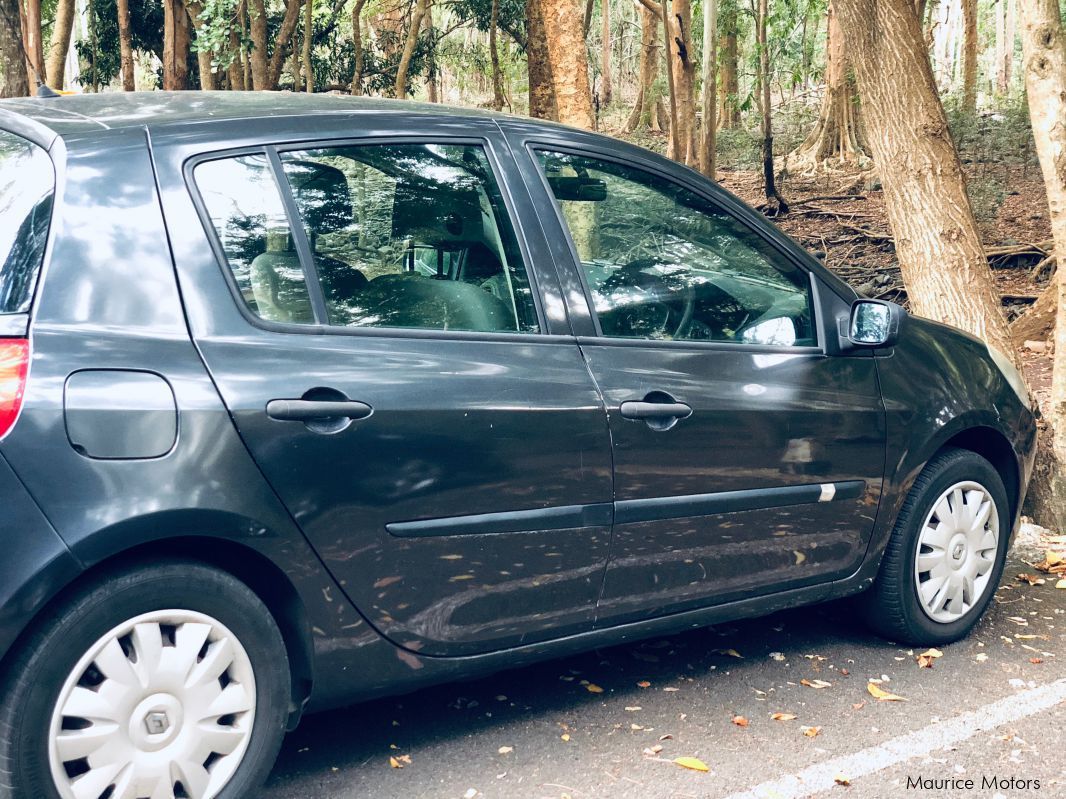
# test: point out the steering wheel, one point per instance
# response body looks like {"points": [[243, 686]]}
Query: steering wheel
{"points": [[645, 305]]}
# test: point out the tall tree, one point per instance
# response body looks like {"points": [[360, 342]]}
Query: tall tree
{"points": [[494, 57], [937, 243], [175, 45], [125, 46], [728, 85], [309, 37], [413, 29], [568, 57], [709, 129], [680, 76], [14, 79], [62, 28], [1044, 54], [283, 40], [969, 55], [204, 56], [31, 36], [647, 106], [775, 205], [259, 56], [538, 65], [606, 83], [836, 135], [357, 45]]}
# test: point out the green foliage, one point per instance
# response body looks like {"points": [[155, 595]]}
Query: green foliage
{"points": [[511, 14], [218, 20], [99, 54]]}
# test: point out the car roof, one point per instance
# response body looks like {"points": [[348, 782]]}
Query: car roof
{"points": [[69, 115]]}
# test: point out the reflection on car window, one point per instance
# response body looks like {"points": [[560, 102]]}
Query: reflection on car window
{"points": [[27, 183], [663, 263], [246, 209], [411, 235]]}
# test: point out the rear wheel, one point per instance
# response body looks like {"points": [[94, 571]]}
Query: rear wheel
{"points": [[156, 683], [946, 555]]}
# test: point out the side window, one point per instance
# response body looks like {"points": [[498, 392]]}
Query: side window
{"points": [[27, 183], [411, 235], [663, 263], [246, 210]]}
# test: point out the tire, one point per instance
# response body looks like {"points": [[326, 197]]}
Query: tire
{"points": [[152, 689], [895, 607]]}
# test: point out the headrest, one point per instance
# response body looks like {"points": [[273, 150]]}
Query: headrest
{"points": [[436, 215], [322, 195]]}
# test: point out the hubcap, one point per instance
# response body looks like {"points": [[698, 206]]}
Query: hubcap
{"points": [[160, 707], [957, 550]]}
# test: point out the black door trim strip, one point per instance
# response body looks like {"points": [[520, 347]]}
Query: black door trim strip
{"points": [[601, 514], [629, 511]]}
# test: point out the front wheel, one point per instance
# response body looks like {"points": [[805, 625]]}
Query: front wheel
{"points": [[946, 554], [156, 683]]}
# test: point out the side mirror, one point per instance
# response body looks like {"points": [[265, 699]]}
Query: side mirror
{"points": [[874, 323]]}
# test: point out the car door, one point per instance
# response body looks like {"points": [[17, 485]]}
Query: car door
{"points": [[385, 353], [746, 458]]}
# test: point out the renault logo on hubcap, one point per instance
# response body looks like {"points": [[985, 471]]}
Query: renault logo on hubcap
{"points": [[156, 722], [957, 553]]}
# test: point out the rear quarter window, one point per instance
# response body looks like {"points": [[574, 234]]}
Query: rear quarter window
{"points": [[27, 187]]}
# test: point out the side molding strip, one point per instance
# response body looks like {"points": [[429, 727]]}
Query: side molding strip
{"points": [[565, 517], [646, 510]]}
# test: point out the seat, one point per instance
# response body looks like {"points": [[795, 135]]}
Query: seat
{"points": [[278, 285], [413, 300]]}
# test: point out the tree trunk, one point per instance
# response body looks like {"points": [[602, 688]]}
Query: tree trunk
{"points": [[685, 78], [494, 58], [14, 79], [125, 46], [357, 44], [937, 243], [969, 55], [204, 57], [569, 62], [729, 86], [648, 104], [309, 35], [709, 129], [1038, 321], [538, 65], [57, 51], [420, 9], [289, 23], [175, 45], [259, 57], [33, 41], [1044, 63], [836, 135], [606, 87], [774, 204], [235, 71]]}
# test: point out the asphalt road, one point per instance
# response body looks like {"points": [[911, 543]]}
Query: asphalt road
{"points": [[990, 709]]}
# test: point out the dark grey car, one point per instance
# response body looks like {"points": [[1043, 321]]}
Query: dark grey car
{"points": [[305, 400]]}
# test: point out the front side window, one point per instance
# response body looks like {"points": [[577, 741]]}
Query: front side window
{"points": [[27, 186], [663, 263], [411, 235]]}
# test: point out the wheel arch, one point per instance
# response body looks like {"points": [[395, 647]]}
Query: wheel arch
{"points": [[994, 447]]}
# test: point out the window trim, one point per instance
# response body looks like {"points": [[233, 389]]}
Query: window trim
{"points": [[533, 145], [273, 153]]}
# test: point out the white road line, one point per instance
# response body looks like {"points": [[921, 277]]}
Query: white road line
{"points": [[820, 777]]}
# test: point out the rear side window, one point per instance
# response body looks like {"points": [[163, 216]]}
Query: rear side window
{"points": [[27, 186]]}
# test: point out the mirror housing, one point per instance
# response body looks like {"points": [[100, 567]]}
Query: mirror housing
{"points": [[578, 188], [874, 323]]}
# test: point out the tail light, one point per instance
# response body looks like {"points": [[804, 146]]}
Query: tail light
{"points": [[14, 365]]}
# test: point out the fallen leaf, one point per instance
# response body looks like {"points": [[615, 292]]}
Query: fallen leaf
{"points": [[565, 736], [653, 750], [925, 660], [815, 683], [671, 689], [740, 721], [783, 716], [1036, 660], [1061, 583], [882, 695], [636, 727], [1032, 579], [691, 763], [811, 732], [592, 688], [981, 657], [643, 684], [667, 737], [859, 705], [506, 750], [385, 582], [400, 761], [840, 779], [730, 652], [633, 708]]}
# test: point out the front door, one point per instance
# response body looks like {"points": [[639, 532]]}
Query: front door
{"points": [[746, 459], [392, 372]]}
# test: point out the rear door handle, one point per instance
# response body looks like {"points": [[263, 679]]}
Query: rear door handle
{"points": [[641, 410], [299, 410]]}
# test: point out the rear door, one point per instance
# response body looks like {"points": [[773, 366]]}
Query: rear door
{"points": [[747, 458], [392, 349]]}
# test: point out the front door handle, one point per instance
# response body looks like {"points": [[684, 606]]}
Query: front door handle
{"points": [[299, 410], [641, 410]]}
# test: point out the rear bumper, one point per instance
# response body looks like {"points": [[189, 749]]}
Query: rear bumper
{"points": [[35, 564]]}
